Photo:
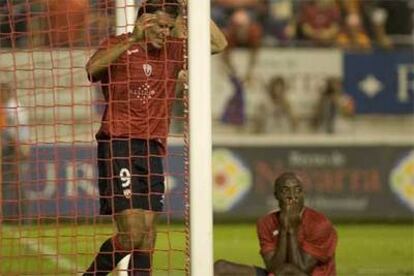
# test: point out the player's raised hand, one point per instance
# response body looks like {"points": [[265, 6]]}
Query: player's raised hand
{"points": [[144, 22], [179, 30]]}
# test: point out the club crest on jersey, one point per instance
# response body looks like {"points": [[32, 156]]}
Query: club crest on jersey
{"points": [[147, 69]]}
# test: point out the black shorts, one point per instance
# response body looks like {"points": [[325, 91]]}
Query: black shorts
{"points": [[131, 175], [261, 272]]}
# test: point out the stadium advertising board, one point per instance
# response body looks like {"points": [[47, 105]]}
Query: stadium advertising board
{"points": [[380, 82], [368, 182]]}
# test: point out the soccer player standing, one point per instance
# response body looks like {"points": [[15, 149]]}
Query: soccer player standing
{"points": [[296, 240], [138, 73]]}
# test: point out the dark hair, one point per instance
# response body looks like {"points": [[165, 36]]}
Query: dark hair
{"points": [[172, 7], [277, 80], [285, 177]]}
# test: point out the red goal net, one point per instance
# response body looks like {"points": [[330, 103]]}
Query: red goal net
{"points": [[50, 219]]}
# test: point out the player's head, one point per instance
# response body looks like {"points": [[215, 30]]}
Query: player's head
{"points": [[166, 11], [288, 189], [277, 87]]}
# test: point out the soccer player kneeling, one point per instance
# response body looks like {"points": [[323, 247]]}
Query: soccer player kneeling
{"points": [[296, 240]]}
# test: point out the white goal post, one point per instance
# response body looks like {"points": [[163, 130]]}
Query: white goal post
{"points": [[201, 216]]}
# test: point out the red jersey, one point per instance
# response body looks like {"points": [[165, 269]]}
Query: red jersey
{"points": [[139, 88], [316, 236], [319, 17]]}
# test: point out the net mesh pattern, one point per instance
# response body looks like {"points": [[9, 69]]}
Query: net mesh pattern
{"points": [[49, 115]]}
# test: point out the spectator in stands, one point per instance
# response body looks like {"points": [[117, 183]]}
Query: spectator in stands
{"points": [[234, 110], [295, 240], [5, 32], [353, 34], [319, 21], [243, 30], [38, 24], [275, 112], [68, 22], [220, 13], [13, 25], [399, 20], [280, 22], [377, 17], [327, 109], [14, 148]]}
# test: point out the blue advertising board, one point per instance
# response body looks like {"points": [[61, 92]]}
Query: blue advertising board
{"points": [[380, 82]]}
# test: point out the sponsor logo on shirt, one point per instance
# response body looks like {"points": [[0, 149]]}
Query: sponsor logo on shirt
{"points": [[134, 51], [143, 93]]}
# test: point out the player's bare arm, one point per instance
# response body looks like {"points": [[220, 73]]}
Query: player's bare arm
{"points": [[103, 58], [277, 258], [217, 39]]}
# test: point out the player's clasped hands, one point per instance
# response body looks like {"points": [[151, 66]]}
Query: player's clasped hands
{"points": [[290, 216]]}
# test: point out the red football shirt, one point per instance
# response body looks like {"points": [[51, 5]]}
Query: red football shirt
{"points": [[316, 235], [139, 89]]}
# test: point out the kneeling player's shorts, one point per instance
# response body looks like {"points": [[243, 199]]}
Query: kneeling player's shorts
{"points": [[130, 175], [262, 272]]}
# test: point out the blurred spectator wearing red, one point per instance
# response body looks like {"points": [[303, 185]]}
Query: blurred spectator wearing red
{"points": [[320, 21], [68, 22], [243, 30]]}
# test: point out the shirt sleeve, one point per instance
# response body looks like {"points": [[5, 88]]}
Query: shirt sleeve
{"points": [[105, 44], [321, 241], [267, 241]]}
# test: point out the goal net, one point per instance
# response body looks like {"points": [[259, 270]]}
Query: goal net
{"points": [[50, 222]]}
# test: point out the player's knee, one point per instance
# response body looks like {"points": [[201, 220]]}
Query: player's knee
{"points": [[137, 238], [131, 240], [148, 238]]}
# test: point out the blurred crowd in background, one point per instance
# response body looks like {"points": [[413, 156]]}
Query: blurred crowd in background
{"points": [[355, 24], [55, 23]]}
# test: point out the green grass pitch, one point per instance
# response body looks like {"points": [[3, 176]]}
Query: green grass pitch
{"points": [[367, 249]]}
